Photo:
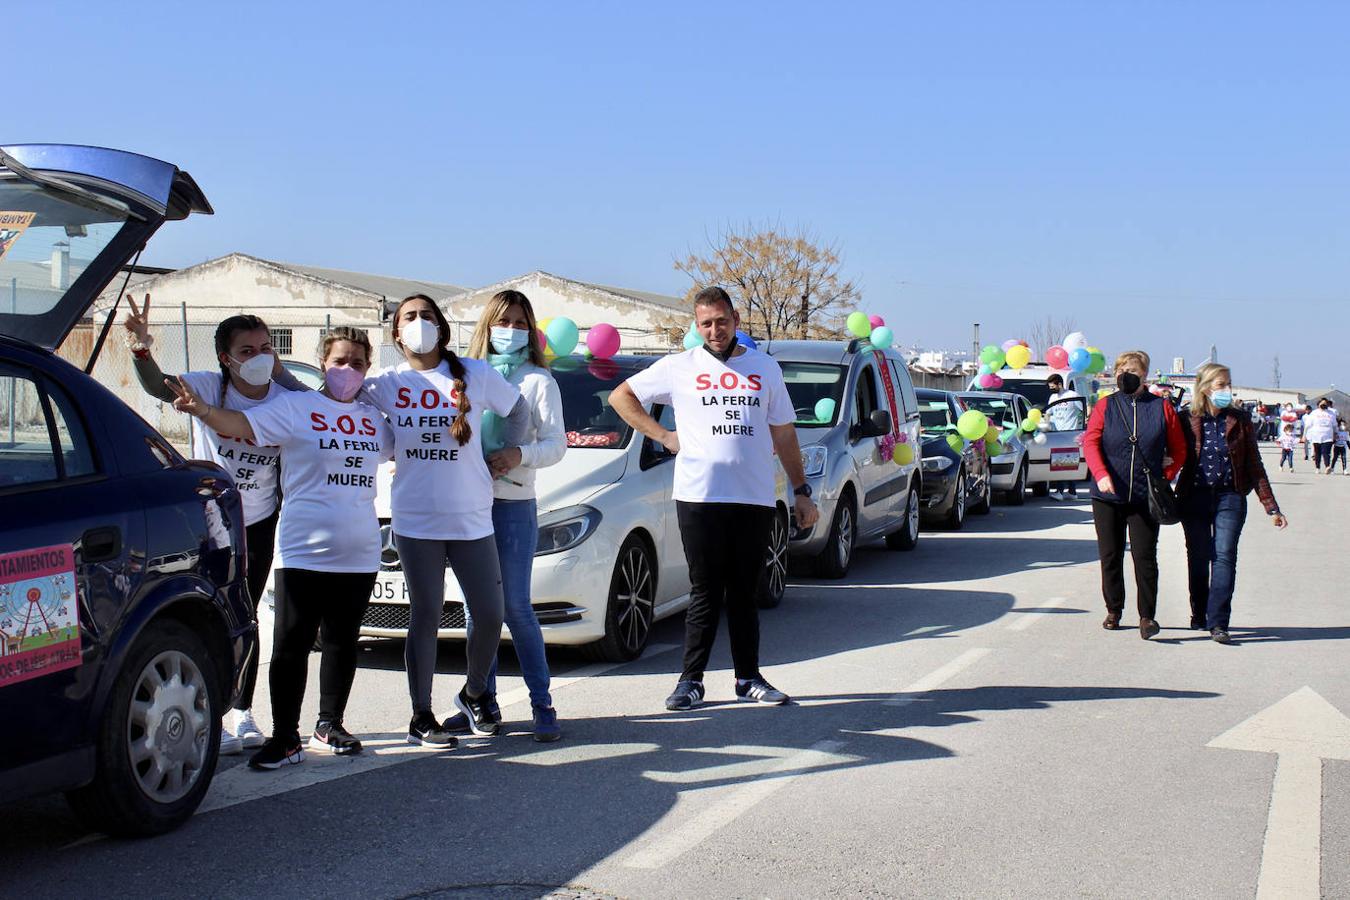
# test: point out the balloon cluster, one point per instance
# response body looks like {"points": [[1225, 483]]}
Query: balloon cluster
{"points": [[871, 328], [1074, 355], [559, 336]]}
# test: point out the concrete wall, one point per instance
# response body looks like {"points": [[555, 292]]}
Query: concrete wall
{"points": [[641, 324]]}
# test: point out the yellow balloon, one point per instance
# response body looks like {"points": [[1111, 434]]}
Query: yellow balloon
{"points": [[1034, 416], [903, 454], [1018, 357]]}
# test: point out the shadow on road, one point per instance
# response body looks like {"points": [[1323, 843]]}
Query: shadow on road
{"points": [[511, 811]]}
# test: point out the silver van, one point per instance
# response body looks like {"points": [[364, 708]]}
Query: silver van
{"points": [[852, 402]]}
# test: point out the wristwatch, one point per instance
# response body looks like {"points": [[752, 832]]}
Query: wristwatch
{"points": [[802, 490]]}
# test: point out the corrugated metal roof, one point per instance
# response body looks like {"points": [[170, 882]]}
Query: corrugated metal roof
{"points": [[385, 285]]}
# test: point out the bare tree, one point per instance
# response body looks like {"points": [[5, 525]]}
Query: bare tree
{"points": [[1043, 334], [785, 285]]}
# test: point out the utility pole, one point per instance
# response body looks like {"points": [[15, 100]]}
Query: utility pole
{"points": [[1275, 375], [975, 355]]}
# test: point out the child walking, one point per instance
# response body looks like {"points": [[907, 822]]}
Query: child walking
{"points": [[1288, 441]]}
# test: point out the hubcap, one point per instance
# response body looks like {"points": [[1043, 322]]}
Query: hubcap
{"points": [[961, 498], [635, 599], [845, 534], [778, 547], [168, 727], [912, 514]]}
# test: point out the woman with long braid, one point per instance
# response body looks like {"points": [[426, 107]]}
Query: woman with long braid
{"points": [[442, 504]]}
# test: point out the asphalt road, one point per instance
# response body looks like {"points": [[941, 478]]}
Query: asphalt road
{"points": [[962, 727]]}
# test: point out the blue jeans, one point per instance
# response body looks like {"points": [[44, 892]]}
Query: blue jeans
{"points": [[1213, 523], [515, 525]]}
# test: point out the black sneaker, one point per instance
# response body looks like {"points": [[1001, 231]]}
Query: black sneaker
{"points": [[425, 731], [331, 736], [688, 694], [1197, 623], [489, 701], [277, 752], [1220, 635], [757, 690], [476, 711]]}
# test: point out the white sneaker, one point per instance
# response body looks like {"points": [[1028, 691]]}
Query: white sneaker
{"points": [[1057, 497], [246, 729], [229, 744]]}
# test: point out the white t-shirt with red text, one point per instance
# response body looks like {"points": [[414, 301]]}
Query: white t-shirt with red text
{"points": [[723, 411], [252, 466], [331, 451], [442, 491]]}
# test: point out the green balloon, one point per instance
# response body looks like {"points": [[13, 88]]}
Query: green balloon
{"points": [[859, 324], [972, 425], [954, 441], [1096, 363], [993, 357]]}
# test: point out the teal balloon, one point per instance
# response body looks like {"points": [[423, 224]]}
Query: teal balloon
{"points": [[881, 337], [562, 336], [692, 339], [824, 409]]}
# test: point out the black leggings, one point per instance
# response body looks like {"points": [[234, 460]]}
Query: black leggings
{"points": [[306, 601], [1113, 520], [1337, 452], [725, 545], [258, 539]]}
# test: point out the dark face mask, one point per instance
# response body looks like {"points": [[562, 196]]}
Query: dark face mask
{"points": [[725, 354], [1323, 407], [1128, 382]]}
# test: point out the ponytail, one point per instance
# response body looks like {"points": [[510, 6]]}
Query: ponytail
{"points": [[225, 333], [460, 429]]}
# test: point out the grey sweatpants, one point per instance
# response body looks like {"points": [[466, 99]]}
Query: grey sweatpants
{"points": [[480, 577]]}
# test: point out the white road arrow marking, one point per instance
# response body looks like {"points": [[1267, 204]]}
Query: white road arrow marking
{"points": [[1303, 729]]}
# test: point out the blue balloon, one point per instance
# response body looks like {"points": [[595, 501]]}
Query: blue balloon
{"points": [[745, 340], [1079, 360]]}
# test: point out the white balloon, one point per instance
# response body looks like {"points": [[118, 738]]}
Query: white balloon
{"points": [[1074, 341], [1039, 439]]}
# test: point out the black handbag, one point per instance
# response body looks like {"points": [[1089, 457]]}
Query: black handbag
{"points": [[1162, 500]]}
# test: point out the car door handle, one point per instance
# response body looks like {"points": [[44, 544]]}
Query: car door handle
{"points": [[100, 545]]}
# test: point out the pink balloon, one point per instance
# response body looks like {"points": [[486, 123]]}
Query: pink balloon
{"points": [[987, 380], [543, 339], [1009, 344], [995, 382], [876, 320], [1057, 358], [603, 340]]}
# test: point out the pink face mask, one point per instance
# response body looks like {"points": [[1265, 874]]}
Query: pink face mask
{"points": [[343, 382]]}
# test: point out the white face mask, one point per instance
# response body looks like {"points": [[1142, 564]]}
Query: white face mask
{"points": [[509, 340], [256, 370], [419, 336]]}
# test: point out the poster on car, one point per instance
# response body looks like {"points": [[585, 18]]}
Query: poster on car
{"points": [[39, 618], [13, 224], [1064, 459]]}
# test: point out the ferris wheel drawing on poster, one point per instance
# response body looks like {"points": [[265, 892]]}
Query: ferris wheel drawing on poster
{"points": [[38, 606]]}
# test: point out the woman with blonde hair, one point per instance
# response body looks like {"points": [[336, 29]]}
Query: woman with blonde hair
{"points": [[507, 339], [1223, 465], [1129, 434]]}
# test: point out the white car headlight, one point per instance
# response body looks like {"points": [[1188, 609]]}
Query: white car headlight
{"points": [[813, 459], [937, 463], [565, 528]]}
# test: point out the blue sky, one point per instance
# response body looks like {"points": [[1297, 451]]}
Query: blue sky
{"points": [[1172, 174]]}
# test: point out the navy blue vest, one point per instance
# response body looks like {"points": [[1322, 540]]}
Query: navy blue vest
{"points": [[1141, 414]]}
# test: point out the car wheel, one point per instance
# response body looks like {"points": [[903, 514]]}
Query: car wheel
{"points": [[838, 553], [631, 606], [956, 516], [1018, 495], [907, 538], [983, 506], [774, 582], [1040, 489], [158, 739]]}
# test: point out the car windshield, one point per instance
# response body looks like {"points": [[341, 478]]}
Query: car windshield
{"points": [[999, 411], [47, 239], [815, 389], [934, 417], [1036, 392], [588, 419]]}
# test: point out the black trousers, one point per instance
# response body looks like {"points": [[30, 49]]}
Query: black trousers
{"points": [[309, 602], [725, 545], [1113, 520], [258, 540]]}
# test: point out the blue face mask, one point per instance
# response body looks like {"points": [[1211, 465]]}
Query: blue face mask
{"points": [[509, 340], [1221, 399]]}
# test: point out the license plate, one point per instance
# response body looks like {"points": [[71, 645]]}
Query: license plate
{"points": [[390, 587], [1064, 460]]}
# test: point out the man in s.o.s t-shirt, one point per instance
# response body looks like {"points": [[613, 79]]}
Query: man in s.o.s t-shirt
{"points": [[732, 413]]}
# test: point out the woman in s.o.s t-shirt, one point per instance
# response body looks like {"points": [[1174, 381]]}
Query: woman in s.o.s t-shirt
{"points": [[328, 535]]}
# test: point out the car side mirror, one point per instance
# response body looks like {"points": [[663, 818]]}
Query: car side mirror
{"points": [[877, 424]]}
